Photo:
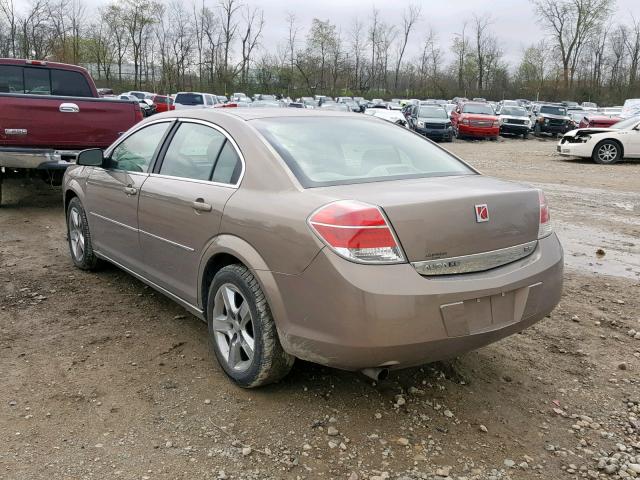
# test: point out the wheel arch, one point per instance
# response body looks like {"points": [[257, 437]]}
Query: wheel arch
{"points": [[227, 249], [609, 139]]}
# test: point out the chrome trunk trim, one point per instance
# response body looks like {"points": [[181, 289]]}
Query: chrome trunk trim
{"points": [[477, 262]]}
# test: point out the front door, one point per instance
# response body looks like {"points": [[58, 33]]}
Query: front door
{"points": [[181, 204], [113, 193]]}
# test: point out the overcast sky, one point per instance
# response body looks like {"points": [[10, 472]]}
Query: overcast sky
{"points": [[514, 20]]}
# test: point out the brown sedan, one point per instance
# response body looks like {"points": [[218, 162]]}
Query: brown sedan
{"points": [[330, 237]]}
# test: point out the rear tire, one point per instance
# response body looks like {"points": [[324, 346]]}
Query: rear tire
{"points": [[525, 136], [242, 332], [607, 152], [79, 237], [536, 130]]}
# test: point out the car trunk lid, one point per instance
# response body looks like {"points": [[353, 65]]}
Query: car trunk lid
{"points": [[444, 217]]}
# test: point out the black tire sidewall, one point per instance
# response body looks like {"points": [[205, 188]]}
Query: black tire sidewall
{"points": [[88, 261], [248, 376]]}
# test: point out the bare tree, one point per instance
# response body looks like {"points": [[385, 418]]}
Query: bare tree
{"points": [[254, 23], [8, 10], [461, 46], [632, 44], [228, 8], [409, 18], [569, 23]]}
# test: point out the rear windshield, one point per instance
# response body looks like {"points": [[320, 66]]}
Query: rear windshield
{"points": [[551, 110], [478, 108], [432, 112], [189, 99], [360, 150]]}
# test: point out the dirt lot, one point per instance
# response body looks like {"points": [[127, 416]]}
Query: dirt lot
{"points": [[101, 377]]}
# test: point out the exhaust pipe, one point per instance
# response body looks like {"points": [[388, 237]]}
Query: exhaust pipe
{"points": [[376, 373]]}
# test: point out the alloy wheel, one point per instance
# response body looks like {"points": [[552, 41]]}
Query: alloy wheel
{"points": [[607, 152], [76, 234], [233, 327]]}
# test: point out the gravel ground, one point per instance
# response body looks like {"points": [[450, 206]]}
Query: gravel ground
{"points": [[104, 378]]}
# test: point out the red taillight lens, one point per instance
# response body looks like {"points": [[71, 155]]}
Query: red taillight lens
{"points": [[545, 229], [138, 112], [356, 231]]}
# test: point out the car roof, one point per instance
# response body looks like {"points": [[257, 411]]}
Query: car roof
{"points": [[253, 113]]}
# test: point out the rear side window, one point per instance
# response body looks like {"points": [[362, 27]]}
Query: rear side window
{"points": [[43, 81], [11, 80], [189, 99], [69, 84], [37, 81], [228, 166], [192, 152]]}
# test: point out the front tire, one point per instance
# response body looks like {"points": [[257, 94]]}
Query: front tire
{"points": [[607, 152], [79, 237], [242, 332]]}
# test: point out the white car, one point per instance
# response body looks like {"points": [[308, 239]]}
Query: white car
{"points": [[603, 145], [393, 116], [514, 121], [190, 100]]}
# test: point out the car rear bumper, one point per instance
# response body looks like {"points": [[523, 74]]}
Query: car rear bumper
{"points": [[32, 158], [482, 132], [351, 316]]}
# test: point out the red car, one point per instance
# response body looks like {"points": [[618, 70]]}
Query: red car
{"points": [[598, 121], [475, 119], [163, 103]]}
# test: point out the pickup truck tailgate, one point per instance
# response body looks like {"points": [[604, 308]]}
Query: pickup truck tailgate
{"points": [[62, 122]]}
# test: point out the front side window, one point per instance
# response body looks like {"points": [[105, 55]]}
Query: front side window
{"points": [[193, 152], [136, 152], [361, 150]]}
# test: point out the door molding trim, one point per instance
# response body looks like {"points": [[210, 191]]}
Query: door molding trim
{"points": [[115, 222], [170, 242]]}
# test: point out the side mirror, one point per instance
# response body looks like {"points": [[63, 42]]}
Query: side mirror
{"points": [[93, 157]]}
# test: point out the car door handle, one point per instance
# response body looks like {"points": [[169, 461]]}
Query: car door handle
{"points": [[129, 190], [200, 205], [69, 108]]}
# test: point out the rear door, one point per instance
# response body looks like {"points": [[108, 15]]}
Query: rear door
{"points": [[113, 194], [181, 204]]}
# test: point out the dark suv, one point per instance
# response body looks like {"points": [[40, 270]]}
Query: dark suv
{"points": [[552, 119], [430, 120]]}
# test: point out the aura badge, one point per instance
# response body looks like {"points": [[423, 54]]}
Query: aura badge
{"points": [[482, 213]]}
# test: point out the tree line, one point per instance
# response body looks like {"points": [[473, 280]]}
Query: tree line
{"points": [[583, 52]]}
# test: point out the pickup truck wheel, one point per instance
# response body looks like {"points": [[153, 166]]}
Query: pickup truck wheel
{"points": [[607, 152], [242, 333], [79, 237]]}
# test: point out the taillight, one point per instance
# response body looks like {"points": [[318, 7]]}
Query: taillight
{"points": [[357, 231], [138, 112], [545, 229]]}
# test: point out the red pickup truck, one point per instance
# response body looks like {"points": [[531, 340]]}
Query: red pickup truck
{"points": [[50, 111]]}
